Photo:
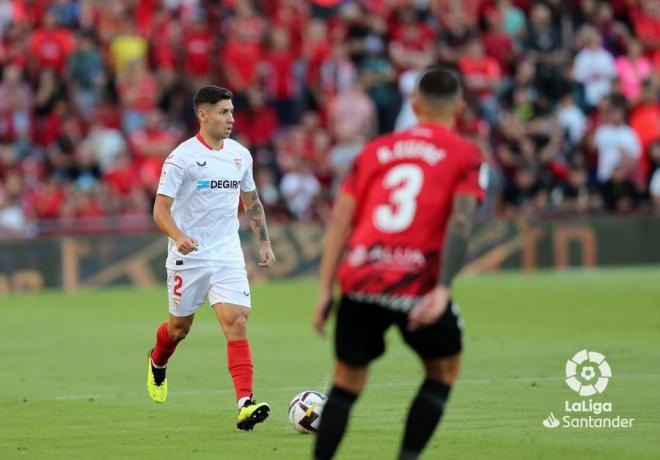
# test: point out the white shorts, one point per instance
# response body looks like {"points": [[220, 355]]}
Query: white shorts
{"points": [[187, 289]]}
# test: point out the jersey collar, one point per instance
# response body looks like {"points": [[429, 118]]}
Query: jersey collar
{"points": [[203, 142]]}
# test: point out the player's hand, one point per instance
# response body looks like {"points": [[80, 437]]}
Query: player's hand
{"points": [[266, 255], [430, 308], [322, 311], [185, 245]]}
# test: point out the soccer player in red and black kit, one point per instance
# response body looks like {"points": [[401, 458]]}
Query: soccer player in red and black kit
{"points": [[403, 218]]}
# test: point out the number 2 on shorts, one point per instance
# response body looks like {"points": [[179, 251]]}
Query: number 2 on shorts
{"points": [[178, 284]]}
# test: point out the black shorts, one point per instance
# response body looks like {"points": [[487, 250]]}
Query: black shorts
{"points": [[360, 330]]}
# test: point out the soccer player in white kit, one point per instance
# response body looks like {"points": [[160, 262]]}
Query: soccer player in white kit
{"points": [[197, 208]]}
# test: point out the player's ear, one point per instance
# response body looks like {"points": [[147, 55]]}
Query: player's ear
{"points": [[417, 105], [460, 107], [201, 113]]}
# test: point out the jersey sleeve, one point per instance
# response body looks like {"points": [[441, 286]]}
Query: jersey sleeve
{"points": [[171, 178], [354, 180], [247, 182], [473, 175], [349, 185]]}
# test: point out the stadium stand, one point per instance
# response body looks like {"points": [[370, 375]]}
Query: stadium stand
{"points": [[562, 96]]}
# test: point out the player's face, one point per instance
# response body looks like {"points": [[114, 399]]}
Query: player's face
{"points": [[218, 119]]}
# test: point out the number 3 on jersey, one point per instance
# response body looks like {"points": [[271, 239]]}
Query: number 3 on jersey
{"points": [[405, 181]]}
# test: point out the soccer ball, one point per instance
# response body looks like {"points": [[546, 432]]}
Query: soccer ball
{"points": [[305, 411]]}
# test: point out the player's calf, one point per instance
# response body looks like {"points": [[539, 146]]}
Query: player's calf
{"points": [[336, 412], [348, 384], [178, 332], [168, 336], [423, 417]]}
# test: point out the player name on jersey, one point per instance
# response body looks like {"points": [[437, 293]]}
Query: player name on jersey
{"points": [[411, 149]]}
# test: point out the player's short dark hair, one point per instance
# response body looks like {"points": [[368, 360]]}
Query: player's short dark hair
{"points": [[211, 94], [439, 83]]}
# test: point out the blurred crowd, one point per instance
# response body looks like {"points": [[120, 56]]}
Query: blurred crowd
{"points": [[562, 96]]}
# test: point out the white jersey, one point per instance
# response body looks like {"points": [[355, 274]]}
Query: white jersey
{"points": [[206, 185]]}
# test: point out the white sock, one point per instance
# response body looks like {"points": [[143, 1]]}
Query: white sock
{"points": [[157, 366], [242, 401]]}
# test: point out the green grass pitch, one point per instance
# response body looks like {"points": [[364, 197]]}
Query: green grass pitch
{"points": [[72, 373]]}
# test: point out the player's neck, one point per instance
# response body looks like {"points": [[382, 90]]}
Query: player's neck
{"points": [[445, 122], [209, 141]]}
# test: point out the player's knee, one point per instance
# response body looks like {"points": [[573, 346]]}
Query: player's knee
{"points": [[448, 378], [178, 332], [237, 325], [240, 322], [444, 370], [350, 378]]}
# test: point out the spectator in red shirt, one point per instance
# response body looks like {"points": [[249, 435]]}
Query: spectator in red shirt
{"points": [[150, 146], [257, 123], [645, 121], [153, 139], [13, 45], [278, 69], [239, 59], [316, 47], [88, 205], [164, 43], [138, 93], [47, 199], [412, 48], [497, 43], [122, 177], [144, 13], [246, 21], [292, 16], [292, 148], [482, 76], [50, 45], [197, 50], [646, 21]]}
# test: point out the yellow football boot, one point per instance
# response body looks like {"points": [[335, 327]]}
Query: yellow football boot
{"points": [[157, 391], [252, 413]]}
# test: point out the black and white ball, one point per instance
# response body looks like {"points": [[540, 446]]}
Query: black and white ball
{"points": [[305, 411]]}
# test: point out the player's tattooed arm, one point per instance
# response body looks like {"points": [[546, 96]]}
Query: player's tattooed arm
{"points": [[256, 215], [457, 238]]}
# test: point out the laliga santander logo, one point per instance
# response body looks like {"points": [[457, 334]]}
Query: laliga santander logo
{"points": [[587, 373]]}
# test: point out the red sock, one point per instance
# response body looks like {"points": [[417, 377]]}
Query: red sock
{"points": [[164, 347], [239, 361]]}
